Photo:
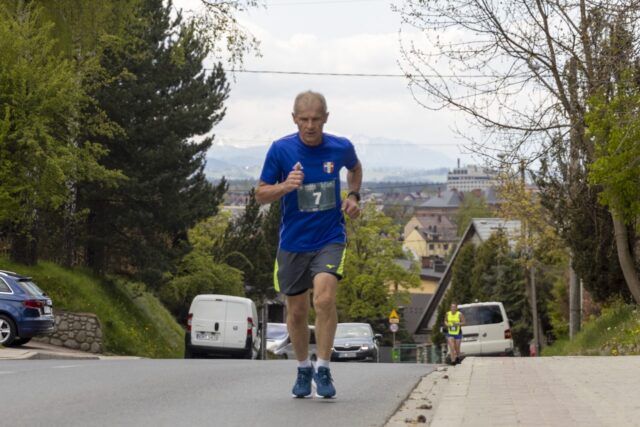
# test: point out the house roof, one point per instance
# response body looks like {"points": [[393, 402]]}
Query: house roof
{"points": [[424, 272], [444, 199], [412, 312], [481, 227], [485, 227]]}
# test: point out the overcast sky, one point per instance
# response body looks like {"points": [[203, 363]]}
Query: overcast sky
{"points": [[330, 36]]}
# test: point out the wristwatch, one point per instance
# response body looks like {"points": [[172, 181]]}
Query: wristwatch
{"points": [[355, 194]]}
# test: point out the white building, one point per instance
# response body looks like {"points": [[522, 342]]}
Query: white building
{"points": [[471, 177]]}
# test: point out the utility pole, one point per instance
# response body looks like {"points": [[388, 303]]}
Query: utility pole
{"points": [[263, 330], [575, 313], [575, 135], [533, 300]]}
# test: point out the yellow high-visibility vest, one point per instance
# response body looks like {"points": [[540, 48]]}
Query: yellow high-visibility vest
{"points": [[453, 322]]}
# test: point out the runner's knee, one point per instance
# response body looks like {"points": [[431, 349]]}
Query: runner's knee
{"points": [[323, 303]]}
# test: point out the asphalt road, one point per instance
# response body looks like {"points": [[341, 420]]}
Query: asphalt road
{"points": [[195, 393]]}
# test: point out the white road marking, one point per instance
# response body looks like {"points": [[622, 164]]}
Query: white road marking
{"points": [[6, 372], [65, 366]]}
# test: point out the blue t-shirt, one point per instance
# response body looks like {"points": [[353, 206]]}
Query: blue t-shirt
{"points": [[311, 216]]}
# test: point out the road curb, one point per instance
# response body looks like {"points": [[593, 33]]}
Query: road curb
{"points": [[420, 406]]}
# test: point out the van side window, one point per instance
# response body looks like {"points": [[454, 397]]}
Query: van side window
{"points": [[490, 314]]}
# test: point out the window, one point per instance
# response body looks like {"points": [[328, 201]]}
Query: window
{"points": [[431, 246], [4, 288], [481, 315], [446, 246]]}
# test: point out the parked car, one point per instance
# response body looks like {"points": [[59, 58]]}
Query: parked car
{"points": [[277, 336], [25, 310], [287, 351], [355, 341], [222, 326], [486, 331]]}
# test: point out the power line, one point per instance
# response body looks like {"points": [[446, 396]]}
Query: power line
{"points": [[320, 2], [327, 74], [312, 73]]}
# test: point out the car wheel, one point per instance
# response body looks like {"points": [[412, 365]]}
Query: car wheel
{"points": [[19, 341], [7, 331]]}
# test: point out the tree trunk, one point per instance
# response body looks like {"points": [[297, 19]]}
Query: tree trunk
{"points": [[625, 257]]}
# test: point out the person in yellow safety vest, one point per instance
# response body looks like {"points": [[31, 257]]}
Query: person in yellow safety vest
{"points": [[453, 321]]}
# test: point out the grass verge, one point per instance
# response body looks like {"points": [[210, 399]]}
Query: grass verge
{"points": [[134, 321], [615, 332]]}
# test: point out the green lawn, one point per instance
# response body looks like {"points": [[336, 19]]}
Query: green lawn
{"points": [[615, 332], [134, 322]]}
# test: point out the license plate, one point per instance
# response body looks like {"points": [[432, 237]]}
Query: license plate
{"points": [[207, 336], [47, 309], [347, 355]]}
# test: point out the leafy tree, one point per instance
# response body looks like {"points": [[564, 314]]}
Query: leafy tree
{"points": [[472, 206], [373, 283], [224, 34], [523, 73], [615, 128], [161, 96], [250, 245], [41, 100], [461, 290], [202, 270]]}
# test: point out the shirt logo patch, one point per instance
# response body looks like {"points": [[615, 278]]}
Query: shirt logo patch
{"points": [[327, 167]]}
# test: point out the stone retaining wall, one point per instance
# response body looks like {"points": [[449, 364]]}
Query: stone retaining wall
{"points": [[78, 331]]}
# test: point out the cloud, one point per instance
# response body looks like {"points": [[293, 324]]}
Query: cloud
{"points": [[337, 40]]}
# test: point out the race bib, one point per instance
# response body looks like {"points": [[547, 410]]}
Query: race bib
{"points": [[318, 196]]}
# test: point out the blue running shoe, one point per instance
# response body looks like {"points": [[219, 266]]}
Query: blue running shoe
{"points": [[324, 383], [302, 387]]}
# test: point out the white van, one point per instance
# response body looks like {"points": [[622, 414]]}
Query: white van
{"points": [[222, 325], [486, 331]]}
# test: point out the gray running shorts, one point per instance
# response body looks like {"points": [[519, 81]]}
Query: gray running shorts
{"points": [[294, 271]]}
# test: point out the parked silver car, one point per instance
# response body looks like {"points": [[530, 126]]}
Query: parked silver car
{"points": [[287, 352], [355, 341]]}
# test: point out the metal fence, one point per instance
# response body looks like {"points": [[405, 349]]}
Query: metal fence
{"points": [[413, 353]]}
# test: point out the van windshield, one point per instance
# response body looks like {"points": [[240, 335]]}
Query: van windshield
{"points": [[481, 315], [276, 332]]}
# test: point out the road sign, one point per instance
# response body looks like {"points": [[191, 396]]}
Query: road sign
{"points": [[393, 317], [394, 327]]}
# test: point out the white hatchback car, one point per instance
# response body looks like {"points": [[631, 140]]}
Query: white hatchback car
{"points": [[486, 331]]}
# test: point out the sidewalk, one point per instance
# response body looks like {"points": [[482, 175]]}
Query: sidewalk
{"points": [[542, 391], [38, 350]]}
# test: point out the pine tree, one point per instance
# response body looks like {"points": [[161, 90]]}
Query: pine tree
{"points": [[161, 97]]}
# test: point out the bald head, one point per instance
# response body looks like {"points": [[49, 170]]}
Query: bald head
{"points": [[309, 99]]}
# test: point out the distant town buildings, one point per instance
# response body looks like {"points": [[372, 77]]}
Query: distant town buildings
{"points": [[471, 178]]}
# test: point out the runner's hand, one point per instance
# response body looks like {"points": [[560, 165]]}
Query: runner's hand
{"points": [[351, 208], [294, 179]]}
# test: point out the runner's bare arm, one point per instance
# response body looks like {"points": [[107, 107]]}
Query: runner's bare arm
{"points": [[354, 182], [354, 178], [267, 193]]}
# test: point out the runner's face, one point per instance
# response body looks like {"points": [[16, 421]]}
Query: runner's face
{"points": [[310, 119], [454, 308]]}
